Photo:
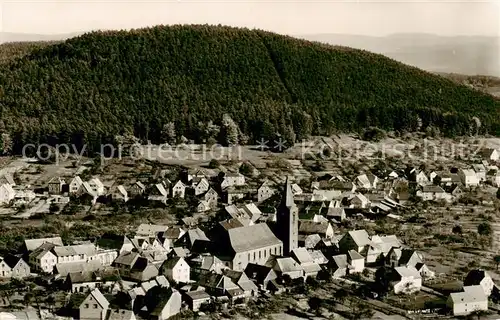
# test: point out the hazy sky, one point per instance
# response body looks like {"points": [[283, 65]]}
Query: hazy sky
{"points": [[469, 17]]}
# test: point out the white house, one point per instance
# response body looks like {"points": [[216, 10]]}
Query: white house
{"points": [[491, 154], [421, 179], [356, 262], [97, 186], [75, 184], [265, 191], [42, 259], [76, 253], [7, 193], [472, 299], [359, 201], [468, 178], [176, 269], [480, 278], [178, 190], [231, 179], [405, 280], [201, 187]]}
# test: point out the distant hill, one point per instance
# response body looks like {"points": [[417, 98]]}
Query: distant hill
{"points": [[471, 55], [6, 37], [90, 88]]}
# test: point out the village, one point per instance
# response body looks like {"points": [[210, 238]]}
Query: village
{"points": [[234, 238]]}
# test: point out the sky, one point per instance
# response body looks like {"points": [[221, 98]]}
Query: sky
{"points": [[364, 17]]}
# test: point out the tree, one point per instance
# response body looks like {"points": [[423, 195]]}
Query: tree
{"points": [[168, 133], [382, 278], [246, 169], [229, 131], [6, 143], [457, 229], [484, 229], [214, 164], [28, 298]]}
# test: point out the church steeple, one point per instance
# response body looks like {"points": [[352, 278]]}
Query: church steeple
{"points": [[287, 220]]}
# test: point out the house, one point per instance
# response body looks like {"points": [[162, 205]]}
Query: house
{"points": [[176, 269], [405, 280], [472, 299], [169, 306], [76, 253], [359, 201], [137, 189], [491, 154], [56, 185], [178, 190], [201, 187], [121, 314], [421, 179], [357, 240], [296, 189], [118, 243], [158, 193], [265, 191], [402, 258], [75, 184], [493, 177], [339, 266], [42, 259], [380, 247], [82, 281], [356, 261], [308, 227], [196, 298], [231, 194], [480, 170], [260, 274], [203, 206], [96, 186], [481, 278], [230, 179], [212, 197], [337, 214], [218, 284], [12, 266], [366, 181], [250, 244], [286, 267], [94, 306], [241, 279], [306, 262], [33, 244], [468, 178], [188, 239], [7, 193], [119, 193], [433, 193]]}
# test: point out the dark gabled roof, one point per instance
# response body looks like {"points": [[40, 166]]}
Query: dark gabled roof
{"points": [[140, 264], [406, 255], [112, 241], [11, 260], [474, 277], [257, 272]]}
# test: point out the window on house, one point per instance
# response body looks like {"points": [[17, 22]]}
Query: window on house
{"points": [[86, 305], [259, 254], [249, 257], [95, 306], [254, 256]]}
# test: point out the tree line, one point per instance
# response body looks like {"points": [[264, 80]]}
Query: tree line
{"points": [[221, 84]]}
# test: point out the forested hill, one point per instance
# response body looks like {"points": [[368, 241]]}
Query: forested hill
{"points": [[157, 81]]}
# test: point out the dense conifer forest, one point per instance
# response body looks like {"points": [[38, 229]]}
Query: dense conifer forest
{"points": [[221, 84]]}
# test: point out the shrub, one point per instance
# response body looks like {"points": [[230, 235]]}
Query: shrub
{"points": [[484, 229]]}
